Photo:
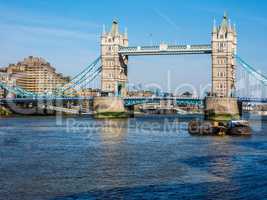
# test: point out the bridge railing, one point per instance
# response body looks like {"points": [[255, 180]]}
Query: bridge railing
{"points": [[163, 98]]}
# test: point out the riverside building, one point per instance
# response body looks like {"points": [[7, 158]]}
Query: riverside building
{"points": [[35, 74]]}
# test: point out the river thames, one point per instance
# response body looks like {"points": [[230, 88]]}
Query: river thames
{"points": [[149, 157]]}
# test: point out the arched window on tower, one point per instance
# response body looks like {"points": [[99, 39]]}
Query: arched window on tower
{"points": [[221, 46]]}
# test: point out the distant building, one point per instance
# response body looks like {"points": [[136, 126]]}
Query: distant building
{"points": [[89, 92], [36, 75], [141, 93], [6, 78]]}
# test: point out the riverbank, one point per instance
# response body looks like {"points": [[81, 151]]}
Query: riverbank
{"points": [[4, 111]]}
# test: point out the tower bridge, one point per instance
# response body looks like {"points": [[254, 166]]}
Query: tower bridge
{"points": [[115, 52]]}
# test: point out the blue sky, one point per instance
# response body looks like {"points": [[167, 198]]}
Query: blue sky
{"points": [[66, 33]]}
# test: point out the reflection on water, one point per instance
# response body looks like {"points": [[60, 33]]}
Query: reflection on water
{"points": [[113, 130], [145, 157]]}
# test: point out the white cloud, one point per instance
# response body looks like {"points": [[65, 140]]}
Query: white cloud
{"points": [[167, 19]]}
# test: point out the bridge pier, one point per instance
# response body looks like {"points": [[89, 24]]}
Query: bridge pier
{"points": [[221, 109], [109, 107]]}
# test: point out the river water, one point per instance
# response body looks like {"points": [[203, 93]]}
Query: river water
{"points": [[149, 157]]}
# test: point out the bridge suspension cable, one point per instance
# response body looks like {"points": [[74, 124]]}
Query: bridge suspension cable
{"points": [[85, 77], [262, 78], [17, 90], [93, 77], [86, 81]]}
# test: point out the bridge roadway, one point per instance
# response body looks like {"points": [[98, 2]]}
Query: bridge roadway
{"points": [[129, 100], [61, 109], [188, 100]]}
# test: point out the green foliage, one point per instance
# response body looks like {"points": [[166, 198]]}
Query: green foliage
{"points": [[105, 115]]}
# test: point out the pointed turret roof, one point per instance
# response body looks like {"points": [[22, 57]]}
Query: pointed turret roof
{"points": [[229, 25], [104, 29], [234, 28], [115, 28], [224, 24], [214, 29]]}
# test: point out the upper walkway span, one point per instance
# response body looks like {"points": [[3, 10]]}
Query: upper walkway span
{"points": [[164, 49]]}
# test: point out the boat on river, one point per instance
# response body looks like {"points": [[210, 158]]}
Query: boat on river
{"points": [[196, 127], [238, 128], [232, 127]]}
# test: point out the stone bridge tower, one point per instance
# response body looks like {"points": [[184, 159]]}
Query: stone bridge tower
{"points": [[224, 45], [222, 105], [114, 66]]}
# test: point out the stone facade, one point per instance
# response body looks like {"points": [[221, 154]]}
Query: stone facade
{"points": [[224, 45], [114, 66]]}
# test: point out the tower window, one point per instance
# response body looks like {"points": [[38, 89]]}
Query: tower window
{"points": [[221, 45]]}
